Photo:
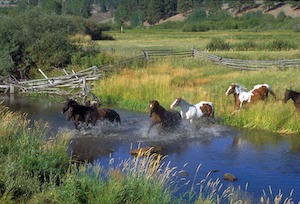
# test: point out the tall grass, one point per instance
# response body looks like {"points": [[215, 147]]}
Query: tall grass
{"points": [[197, 80]]}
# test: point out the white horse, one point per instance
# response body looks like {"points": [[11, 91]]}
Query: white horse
{"points": [[193, 112]]}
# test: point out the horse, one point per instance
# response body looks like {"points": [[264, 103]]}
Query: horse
{"points": [[241, 96], [168, 119], [105, 113], [294, 95], [88, 114], [80, 113], [109, 115], [192, 112]]}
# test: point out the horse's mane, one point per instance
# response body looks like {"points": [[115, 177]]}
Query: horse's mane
{"points": [[239, 88]]}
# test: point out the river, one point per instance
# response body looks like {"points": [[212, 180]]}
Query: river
{"points": [[258, 159]]}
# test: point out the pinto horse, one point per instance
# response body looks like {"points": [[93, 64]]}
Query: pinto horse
{"points": [[294, 95], [192, 112], [241, 96], [168, 119]]}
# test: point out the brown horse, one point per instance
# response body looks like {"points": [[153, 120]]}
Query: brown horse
{"points": [[168, 119], [88, 114], [105, 113], [109, 114], [80, 113], [241, 96], [294, 95]]}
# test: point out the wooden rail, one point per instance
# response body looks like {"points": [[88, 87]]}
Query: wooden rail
{"points": [[248, 64]]}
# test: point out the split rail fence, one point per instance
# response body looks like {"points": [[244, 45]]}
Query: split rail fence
{"points": [[76, 82]]}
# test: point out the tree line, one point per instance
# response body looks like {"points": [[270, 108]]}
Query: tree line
{"points": [[36, 39], [138, 11]]}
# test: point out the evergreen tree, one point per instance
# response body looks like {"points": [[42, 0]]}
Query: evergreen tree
{"points": [[213, 6], [170, 8], [184, 5], [154, 12], [52, 6]]}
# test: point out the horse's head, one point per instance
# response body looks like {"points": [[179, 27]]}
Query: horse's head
{"points": [[287, 95], [69, 102], [176, 103], [231, 89], [153, 106]]}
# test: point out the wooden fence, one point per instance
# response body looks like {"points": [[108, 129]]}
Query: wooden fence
{"points": [[248, 64], [77, 82]]}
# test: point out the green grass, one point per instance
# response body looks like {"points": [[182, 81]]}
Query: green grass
{"points": [[194, 80], [133, 41]]}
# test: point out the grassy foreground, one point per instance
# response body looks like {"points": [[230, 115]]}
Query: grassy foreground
{"points": [[198, 80]]}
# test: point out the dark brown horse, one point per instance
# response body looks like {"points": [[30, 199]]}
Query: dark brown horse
{"points": [[168, 119], [294, 95], [80, 113], [105, 113], [241, 96], [109, 114], [88, 114]]}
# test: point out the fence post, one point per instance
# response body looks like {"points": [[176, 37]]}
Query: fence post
{"points": [[193, 52], [45, 76], [84, 95]]}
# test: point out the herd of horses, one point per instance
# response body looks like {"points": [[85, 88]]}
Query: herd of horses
{"points": [[169, 119]]}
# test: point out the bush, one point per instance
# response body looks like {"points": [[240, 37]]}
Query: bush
{"points": [[245, 46], [296, 28], [280, 45], [196, 15], [196, 27], [217, 44]]}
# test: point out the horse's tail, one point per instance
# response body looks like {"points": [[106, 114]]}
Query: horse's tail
{"points": [[272, 92]]}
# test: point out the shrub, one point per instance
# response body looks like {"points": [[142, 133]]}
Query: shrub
{"points": [[196, 27], [217, 44], [280, 45], [296, 28], [245, 46]]}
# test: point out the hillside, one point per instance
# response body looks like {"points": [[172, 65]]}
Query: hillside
{"points": [[101, 17]]}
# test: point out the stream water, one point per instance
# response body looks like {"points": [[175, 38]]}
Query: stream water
{"points": [[258, 159]]}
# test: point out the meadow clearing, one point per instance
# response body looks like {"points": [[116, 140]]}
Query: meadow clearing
{"points": [[197, 80]]}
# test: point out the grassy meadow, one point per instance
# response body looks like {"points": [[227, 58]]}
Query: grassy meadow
{"points": [[200, 80]]}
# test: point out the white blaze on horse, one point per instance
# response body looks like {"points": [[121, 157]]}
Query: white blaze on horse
{"points": [[193, 112], [241, 96]]}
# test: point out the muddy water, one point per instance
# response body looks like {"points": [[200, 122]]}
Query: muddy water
{"points": [[258, 159]]}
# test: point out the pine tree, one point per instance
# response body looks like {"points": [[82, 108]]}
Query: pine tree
{"points": [[154, 11], [184, 5]]}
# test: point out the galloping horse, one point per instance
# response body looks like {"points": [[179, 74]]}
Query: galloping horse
{"points": [[105, 113], [295, 96], [169, 119], [88, 114], [192, 112], [241, 96], [80, 113]]}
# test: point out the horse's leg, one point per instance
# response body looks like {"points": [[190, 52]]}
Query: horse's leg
{"points": [[151, 125], [76, 122]]}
